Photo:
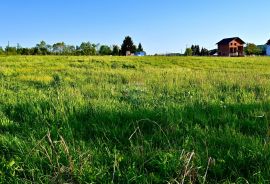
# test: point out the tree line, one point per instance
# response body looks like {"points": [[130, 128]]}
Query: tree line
{"points": [[252, 49], [195, 50], [84, 49]]}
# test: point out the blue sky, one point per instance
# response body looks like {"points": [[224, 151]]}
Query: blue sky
{"points": [[160, 25]]}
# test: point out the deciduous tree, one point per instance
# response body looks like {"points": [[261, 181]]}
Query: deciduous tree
{"points": [[105, 50], [188, 52], [1, 51], [42, 48], [88, 49], [252, 49], [58, 48], [116, 50]]}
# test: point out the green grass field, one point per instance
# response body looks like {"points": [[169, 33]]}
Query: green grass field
{"points": [[134, 120]]}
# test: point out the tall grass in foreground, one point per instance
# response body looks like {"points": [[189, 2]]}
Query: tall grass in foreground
{"points": [[134, 120]]}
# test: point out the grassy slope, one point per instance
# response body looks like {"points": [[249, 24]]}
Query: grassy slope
{"points": [[134, 120]]}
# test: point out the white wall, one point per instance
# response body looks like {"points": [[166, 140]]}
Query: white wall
{"points": [[268, 50]]}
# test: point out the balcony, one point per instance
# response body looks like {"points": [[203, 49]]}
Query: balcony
{"points": [[234, 54]]}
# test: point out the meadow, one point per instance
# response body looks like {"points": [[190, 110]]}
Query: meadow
{"points": [[67, 119]]}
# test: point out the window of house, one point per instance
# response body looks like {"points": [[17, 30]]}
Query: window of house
{"points": [[235, 44]]}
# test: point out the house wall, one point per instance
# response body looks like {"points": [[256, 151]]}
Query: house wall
{"points": [[237, 47], [234, 44], [268, 50], [223, 50], [232, 47]]}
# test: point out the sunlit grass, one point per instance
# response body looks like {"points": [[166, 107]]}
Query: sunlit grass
{"points": [[41, 79], [134, 119]]}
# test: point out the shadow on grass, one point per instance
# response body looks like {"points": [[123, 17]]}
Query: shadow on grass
{"points": [[235, 136]]}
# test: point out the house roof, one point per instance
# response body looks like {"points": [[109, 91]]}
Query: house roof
{"points": [[228, 40], [268, 42]]}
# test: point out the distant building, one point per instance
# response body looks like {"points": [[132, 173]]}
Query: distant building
{"points": [[231, 47], [268, 48], [128, 53], [142, 53]]}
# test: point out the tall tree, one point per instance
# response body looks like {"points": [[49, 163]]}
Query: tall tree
{"points": [[192, 49], [127, 45], [140, 48], [197, 50], [134, 49], [204, 52]]}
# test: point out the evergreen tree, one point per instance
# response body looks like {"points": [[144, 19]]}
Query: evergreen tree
{"points": [[193, 49], [140, 48], [197, 50], [134, 49], [203, 52], [127, 46]]}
